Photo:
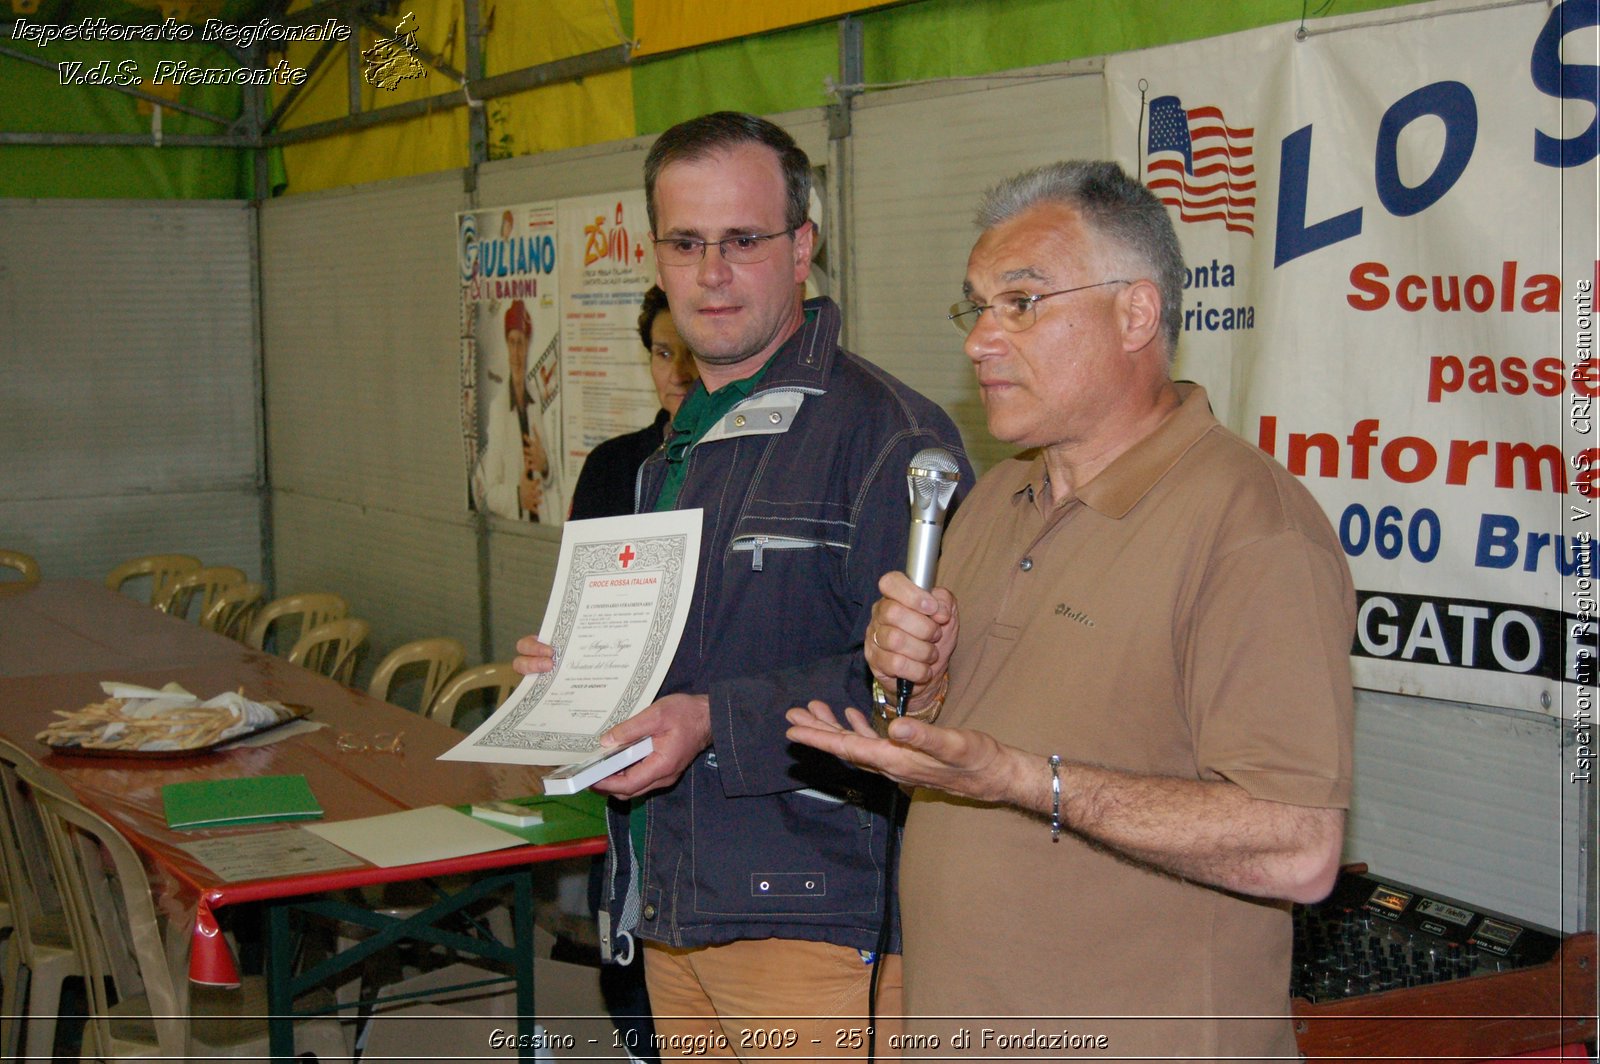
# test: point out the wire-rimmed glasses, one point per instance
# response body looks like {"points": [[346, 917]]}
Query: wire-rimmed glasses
{"points": [[1013, 310], [743, 250], [382, 743]]}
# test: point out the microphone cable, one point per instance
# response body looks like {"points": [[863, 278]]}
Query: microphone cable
{"points": [[898, 799], [931, 484]]}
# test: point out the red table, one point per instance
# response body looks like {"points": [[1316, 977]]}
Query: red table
{"points": [[58, 640]]}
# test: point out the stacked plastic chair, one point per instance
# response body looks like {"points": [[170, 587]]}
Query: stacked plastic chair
{"points": [[162, 569], [440, 658]]}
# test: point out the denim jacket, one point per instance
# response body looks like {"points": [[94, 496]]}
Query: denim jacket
{"points": [[804, 492]]}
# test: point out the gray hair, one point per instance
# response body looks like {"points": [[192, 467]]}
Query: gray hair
{"points": [[1114, 206]]}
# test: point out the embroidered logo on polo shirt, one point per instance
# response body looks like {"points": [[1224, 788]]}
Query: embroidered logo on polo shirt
{"points": [[1064, 610]]}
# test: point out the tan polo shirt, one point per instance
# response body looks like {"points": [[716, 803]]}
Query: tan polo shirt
{"points": [[1188, 614]]}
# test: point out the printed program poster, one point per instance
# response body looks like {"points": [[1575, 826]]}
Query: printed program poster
{"points": [[604, 275], [511, 381]]}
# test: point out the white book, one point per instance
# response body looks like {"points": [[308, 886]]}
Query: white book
{"points": [[570, 779], [508, 813]]}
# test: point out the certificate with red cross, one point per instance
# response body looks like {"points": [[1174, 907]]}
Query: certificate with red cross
{"points": [[617, 610]]}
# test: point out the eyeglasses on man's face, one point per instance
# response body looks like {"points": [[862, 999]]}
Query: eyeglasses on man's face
{"points": [[1015, 311], [742, 250]]}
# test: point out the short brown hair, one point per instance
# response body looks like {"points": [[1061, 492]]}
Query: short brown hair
{"points": [[721, 130]]}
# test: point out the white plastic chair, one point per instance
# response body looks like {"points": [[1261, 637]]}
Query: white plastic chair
{"points": [[22, 563], [233, 611], [331, 648], [441, 657], [38, 955], [156, 1013], [162, 569], [502, 677], [310, 609], [206, 581]]}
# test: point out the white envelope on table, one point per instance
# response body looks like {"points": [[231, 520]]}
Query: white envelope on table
{"points": [[433, 833]]}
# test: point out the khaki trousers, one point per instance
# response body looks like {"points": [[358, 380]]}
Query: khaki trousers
{"points": [[769, 999]]}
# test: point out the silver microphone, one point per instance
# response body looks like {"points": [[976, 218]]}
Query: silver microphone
{"points": [[931, 480]]}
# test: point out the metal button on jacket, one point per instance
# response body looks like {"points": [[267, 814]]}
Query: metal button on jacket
{"points": [[649, 911], [1025, 564]]}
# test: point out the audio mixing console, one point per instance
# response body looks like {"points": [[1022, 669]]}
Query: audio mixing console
{"points": [[1386, 969]]}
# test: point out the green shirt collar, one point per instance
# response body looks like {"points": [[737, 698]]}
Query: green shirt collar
{"points": [[703, 409]]}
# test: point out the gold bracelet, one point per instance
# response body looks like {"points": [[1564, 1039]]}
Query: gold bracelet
{"points": [[882, 701], [931, 710]]}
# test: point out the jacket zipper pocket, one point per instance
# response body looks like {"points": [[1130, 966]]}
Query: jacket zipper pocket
{"points": [[759, 545], [822, 796]]}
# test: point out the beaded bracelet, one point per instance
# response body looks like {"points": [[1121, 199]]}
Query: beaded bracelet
{"points": [[1055, 797]]}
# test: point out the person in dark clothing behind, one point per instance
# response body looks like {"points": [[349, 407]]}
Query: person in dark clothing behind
{"points": [[605, 487]]}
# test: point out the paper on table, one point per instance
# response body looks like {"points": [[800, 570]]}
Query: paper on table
{"points": [[620, 601], [145, 702], [268, 855], [434, 833], [149, 701]]}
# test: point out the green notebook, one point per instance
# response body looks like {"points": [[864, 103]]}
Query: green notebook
{"points": [[224, 803]]}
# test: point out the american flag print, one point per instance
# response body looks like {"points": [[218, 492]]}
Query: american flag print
{"points": [[1201, 165]]}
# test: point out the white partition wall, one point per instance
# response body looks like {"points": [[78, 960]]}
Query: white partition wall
{"points": [[129, 408], [1469, 801], [363, 410], [922, 158]]}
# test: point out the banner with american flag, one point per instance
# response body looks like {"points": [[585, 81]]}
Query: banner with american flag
{"points": [[1389, 236], [1201, 165]]}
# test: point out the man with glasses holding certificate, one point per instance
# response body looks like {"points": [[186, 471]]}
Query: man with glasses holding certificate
{"points": [[754, 874], [1147, 728]]}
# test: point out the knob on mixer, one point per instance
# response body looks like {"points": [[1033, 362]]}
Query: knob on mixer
{"points": [[1371, 936]]}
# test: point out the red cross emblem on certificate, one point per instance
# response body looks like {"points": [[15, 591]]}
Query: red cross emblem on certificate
{"points": [[627, 555]]}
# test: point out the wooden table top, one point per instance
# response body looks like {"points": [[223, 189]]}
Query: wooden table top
{"points": [[65, 626], [61, 639]]}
